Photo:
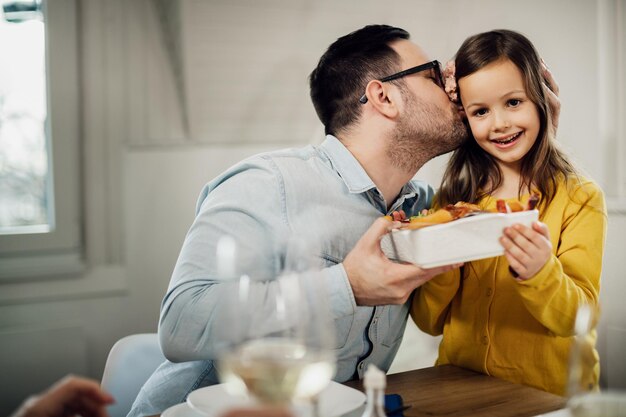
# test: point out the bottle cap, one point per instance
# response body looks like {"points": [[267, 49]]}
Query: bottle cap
{"points": [[374, 378]]}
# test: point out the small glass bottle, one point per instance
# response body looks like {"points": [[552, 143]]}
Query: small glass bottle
{"points": [[374, 382]]}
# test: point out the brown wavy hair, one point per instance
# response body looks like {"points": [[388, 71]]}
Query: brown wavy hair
{"points": [[472, 173]]}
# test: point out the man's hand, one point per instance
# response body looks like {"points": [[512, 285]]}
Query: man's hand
{"points": [[72, 396], [376, 280]]}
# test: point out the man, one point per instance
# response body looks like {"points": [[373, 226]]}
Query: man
{"points": [[381, 130]]}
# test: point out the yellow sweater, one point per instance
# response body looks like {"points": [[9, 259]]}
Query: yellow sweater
{"points": [[521, 331]]}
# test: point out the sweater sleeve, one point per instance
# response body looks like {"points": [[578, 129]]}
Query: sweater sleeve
{"points": [[431, 302], [571, 277]]}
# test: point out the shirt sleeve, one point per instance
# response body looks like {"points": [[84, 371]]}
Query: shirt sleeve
{"points": [[571, 277], [247, 203], [431, 302]]}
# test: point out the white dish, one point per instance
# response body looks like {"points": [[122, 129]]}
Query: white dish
{"points": [[181, 410], [336, 400], [468, 239]]}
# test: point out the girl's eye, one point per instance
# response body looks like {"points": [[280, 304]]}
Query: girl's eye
{"points": [[514, 102], [480, 112]]}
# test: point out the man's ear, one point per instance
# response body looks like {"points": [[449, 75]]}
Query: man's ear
{"points": [[379, 95]]}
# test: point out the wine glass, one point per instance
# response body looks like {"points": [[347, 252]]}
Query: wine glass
{"points": [[580, 348], [581, 401], [576, 390], [275, 336]]}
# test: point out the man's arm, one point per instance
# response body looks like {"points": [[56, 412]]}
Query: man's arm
{"points": [[244, 203], [247, 204]]}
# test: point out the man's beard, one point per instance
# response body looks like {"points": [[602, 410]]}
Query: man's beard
{"points": [[424, 132]]}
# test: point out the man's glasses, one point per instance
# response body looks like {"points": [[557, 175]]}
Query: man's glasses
{"points": [[433, 66]]}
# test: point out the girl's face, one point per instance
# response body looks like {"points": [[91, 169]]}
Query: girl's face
{"points": [[504, 122]]}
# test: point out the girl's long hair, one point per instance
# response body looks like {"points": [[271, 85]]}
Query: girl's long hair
{"points": [[472, 173]]}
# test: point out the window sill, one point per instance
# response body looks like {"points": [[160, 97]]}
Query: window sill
{"points": [[41, 267], [100, 281]]}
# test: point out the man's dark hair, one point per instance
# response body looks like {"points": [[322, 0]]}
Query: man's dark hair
{"points": [[342, 74]]}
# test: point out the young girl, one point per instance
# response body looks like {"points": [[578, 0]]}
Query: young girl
{"points": [[513, 316]]}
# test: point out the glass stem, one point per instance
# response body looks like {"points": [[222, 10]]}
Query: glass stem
{"points": [[315, 406]]}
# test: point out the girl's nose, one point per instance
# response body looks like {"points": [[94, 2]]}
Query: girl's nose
{"points": [[500, 121]]}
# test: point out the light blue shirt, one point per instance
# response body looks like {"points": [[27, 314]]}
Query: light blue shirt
{"points": [[319, 193]]}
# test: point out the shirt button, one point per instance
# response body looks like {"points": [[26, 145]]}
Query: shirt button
{"points": [[489, 292], [374, 321], [485, 340]]}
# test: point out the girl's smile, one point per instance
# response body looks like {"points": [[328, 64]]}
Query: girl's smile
{"points": [[506, 141]]}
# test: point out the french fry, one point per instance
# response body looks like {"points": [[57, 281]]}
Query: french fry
{"points": [[439, 216], [515, 206]]}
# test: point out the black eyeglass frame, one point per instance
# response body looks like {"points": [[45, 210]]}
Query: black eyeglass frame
{"points": [[423, 67]]}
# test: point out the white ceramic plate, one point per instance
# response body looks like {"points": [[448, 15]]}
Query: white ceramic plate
{"points": [[463, 240], [336, 400], [181, 410]]}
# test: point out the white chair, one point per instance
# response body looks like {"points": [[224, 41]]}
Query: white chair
{"points": [[130, 363]]}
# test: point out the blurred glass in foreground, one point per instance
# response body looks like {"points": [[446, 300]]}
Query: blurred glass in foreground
{"points": [[583, 402]]}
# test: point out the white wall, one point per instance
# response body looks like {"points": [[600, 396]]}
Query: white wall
{"points": [[244, 65]]}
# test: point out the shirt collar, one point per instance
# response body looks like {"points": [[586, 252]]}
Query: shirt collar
{"points": [[346, 165], [354, 176]]}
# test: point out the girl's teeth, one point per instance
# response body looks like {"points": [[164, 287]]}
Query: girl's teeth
{"points": [[503, 142]]}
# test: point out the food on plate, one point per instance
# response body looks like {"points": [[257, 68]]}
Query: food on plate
{"points": [[513, 206], [443, 215], [457, 211], [435, 217]]}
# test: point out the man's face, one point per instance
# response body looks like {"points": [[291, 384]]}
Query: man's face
{"points": [[429, 124]]}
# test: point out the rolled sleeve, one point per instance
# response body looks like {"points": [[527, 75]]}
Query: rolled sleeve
{"points": [[342, 301]]}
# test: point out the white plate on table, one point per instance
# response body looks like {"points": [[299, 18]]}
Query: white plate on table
{"points": [[336, 400]]}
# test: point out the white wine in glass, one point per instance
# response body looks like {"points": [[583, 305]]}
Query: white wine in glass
{"points": [[278, 370], [276, 337]]}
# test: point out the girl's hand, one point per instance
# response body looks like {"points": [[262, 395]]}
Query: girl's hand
{"points": [[527, 249]]}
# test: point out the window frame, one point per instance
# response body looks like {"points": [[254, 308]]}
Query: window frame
{"points": [[612, 104], [59, 251]]}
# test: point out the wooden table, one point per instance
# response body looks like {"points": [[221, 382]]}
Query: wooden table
{"points": [[452, 392]]}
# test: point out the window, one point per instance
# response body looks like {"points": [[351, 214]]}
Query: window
{"points": [[40, 231], [25, 203]]}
